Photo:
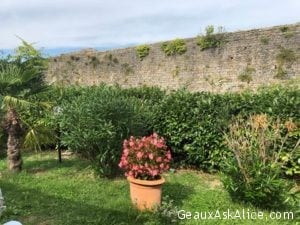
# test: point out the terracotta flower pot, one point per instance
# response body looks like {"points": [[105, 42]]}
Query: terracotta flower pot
{"points": [[145, 194]]}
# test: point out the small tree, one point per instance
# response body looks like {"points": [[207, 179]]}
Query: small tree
{"points": [[211, 39], [21, 76]]}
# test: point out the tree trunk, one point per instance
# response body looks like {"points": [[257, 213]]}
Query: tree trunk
{"points": [[13, 128]]}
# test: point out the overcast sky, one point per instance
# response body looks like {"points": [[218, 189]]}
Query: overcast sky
{"points": [[113, 23]]}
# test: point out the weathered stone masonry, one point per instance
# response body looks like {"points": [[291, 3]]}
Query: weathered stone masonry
{"points": [[212, 69]]}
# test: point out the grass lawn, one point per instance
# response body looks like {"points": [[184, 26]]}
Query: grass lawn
{"points": [[49, 193]]}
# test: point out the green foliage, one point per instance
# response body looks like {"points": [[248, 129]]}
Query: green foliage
{"points": [[126, 69], [287, 33], [284, 58], [211, 39], [96, 123], [152, 95], [264, 40], [94, 61], [286, 55], [253, 175], [175, 47], [110, 60], [167, 212], [142, 51], [281, 73], [193, 123], [74, 58], [176, 71], [21, 80], [246, 75], [45, 181], [284, 29]]}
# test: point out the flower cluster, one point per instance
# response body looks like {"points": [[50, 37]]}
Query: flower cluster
{"points": [[145, 158]]}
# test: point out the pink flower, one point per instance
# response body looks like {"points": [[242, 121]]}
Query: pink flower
{"points": [[139, 155], [169, 155], [159, 159], [126, 152], [146, 157], [135, 167], [154, 172], [151, 156]]}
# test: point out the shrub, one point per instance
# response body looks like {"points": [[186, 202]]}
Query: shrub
{"points": [[286, 55], [264, 40], [281, 73], [146, 158], [96, 122], [142, 51], [254, 174], [126, 69], [193, 123], [175, 47], [284, 29], [287, 33], [153, 95], [94, 61], [246, 75], [211, 39]]}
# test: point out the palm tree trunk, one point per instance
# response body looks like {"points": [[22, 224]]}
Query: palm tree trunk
{"points": [[14, 131]]}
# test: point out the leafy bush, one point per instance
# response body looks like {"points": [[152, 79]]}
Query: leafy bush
{"points": [[175, 47], [254, 173], [142, 51], [153, 95], [264, 40], [246, 75], [96, 122], [286, 55], [211, 39], [193, 123], [287, 33]]}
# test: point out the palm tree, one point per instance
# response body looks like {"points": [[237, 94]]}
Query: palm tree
{"points": [[21, 76]]}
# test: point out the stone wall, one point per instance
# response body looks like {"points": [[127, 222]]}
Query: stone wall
{"points": [[215, 69]]}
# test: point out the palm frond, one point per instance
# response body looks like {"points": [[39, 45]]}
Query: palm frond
{"points": [[10, 74], [38, 135], [10, 101]]}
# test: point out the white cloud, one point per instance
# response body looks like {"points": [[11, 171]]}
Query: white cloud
{"points": [[97, 23]]}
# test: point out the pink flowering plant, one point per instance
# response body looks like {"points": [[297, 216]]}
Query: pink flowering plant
{"points": [[145, 158]]}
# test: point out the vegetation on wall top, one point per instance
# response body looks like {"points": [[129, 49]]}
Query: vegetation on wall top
{"points": [[211, 39], [287, 33], [142, 51], [175, 47]]}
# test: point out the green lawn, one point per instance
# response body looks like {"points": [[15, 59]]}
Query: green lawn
{"points": [[49, 193]]}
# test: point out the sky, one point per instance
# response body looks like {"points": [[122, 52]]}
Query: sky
{"points": [[58, 26]]}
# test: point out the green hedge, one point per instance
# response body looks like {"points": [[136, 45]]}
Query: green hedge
{"points": [[194, 123]]}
